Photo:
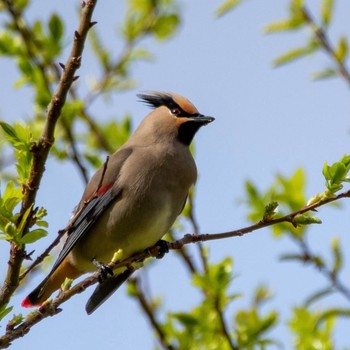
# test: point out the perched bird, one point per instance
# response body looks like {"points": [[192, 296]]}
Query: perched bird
{"points": [[131, 201]]}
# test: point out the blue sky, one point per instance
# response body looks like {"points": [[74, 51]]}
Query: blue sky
{"points": [[268, 121]]}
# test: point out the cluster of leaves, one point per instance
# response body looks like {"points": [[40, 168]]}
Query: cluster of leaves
{"points": [[37, 48], [20, 137], [299, 18], [205, 326], [288, 195]]}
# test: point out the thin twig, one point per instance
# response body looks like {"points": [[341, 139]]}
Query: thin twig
{"points": [[148, 310], [261, 224], [323, 39], [43, 255], [195, 228], [223, 325], [328, 273]]}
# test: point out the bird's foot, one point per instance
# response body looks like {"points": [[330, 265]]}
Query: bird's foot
{"points": [[103, 269], [162, 249]]}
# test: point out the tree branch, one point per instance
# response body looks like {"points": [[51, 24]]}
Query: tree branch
{"points": [[41, 149], [50, 308], [149, 312], [323, 39]]}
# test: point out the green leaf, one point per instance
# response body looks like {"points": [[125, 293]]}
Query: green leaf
{"points": [[306, 219], [56, 27], [225, 7], [336, 174], [337, 256], [23, 222], [331, 313], [294, 55], [186, 319], [293, 257], [165, 26], [324, 74], [342, 49], [308, 331], [4, 310], [270, 211], [9, 130], [33, 236], [283, 25], [327, 7]]}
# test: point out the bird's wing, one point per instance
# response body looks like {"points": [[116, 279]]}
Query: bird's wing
{"points": [[105, 289], [90, 211]]}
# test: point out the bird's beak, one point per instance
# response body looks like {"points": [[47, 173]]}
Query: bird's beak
{"points": [[202, 119]]}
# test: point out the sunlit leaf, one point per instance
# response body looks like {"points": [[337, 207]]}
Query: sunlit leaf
{"points": [[226, 7]]}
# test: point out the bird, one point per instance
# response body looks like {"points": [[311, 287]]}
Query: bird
{"points": [[132, 200]]}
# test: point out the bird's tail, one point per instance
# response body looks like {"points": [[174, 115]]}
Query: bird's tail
{"points": [[51, 283], [105, 289]]}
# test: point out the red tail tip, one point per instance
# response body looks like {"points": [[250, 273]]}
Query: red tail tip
{"points": [[26, 302]]}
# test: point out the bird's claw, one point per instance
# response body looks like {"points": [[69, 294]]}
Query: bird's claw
{"points": [[103, 269], [162, 249]]}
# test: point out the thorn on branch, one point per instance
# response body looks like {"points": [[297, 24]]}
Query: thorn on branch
{"points": [[77, 36], [29, 255], [91, 24], [76, 77], [62, 65]]}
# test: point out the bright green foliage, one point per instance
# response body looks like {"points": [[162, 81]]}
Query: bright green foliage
{"points": [[342, 49], [284, 196], [203, 326], [227, 6], [20, 137], [295, 21], [300, 18], [308, 332], [4, 310], [327, 7], [10, 228], [336, 175], [294, 54], [157, 17]]}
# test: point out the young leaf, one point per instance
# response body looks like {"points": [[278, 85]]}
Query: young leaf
{"points": [[4, 310], [324, 74], [226, 7], [294, 55], [342, 49], [33, 236], [306, 219], [327, 11], [56, 27]]}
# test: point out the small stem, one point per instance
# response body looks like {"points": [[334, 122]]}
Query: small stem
{"points": [[147, 308]]}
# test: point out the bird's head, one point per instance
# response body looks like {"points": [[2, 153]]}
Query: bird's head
{"points": [[175, 112]]}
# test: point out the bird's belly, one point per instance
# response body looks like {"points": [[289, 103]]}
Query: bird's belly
{"points": [[131, 232]]}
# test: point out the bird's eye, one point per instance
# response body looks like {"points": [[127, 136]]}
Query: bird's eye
{"points": [[176, 111]]}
